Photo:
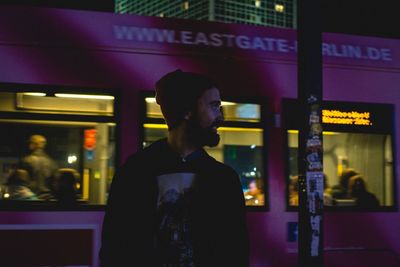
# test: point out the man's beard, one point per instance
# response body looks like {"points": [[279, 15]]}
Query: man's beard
{"points": [[203, 136]]}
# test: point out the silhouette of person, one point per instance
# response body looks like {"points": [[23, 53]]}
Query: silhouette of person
{"points": [[358, 191], [341, 190], [17, 186], [40, 166], [65, 186], [175, 220]]}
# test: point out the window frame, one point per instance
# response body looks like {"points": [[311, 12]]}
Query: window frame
{"points": [[380, 109], [29, 205]]}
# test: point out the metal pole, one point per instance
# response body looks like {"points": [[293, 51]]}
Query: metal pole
{"points": [[311, 180]]}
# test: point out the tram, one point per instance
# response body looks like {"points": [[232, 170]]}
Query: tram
{"points": [[84, 81]]}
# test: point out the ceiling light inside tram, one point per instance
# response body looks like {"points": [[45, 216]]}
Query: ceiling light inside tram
{"points": [[150, 100], [104, 97], [34, 94], [226, 103]]}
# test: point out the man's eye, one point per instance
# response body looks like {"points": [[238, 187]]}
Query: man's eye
{"points": [[216, 105]]}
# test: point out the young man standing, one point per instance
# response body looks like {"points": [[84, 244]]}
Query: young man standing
{"points": [[161, 209]]}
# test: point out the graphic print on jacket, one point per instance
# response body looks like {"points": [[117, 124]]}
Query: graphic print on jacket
{"points": [[174, 242]]}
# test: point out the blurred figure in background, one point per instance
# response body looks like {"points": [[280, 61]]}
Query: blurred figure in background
{"points": [[17, 186], [41, 168], [294, 191], [254, 196], [358, 191], [328, 201], [341, 190], [65, 186]]}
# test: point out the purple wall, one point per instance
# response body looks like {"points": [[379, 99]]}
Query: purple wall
{"points": [[128, 54]]}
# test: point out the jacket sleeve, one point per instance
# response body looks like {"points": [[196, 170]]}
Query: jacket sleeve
{"points": [[115, 239], [127, 226], [234, 227]]}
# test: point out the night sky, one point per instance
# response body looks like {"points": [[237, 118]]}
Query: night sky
{"points": [[361, 17], [372, 18]]}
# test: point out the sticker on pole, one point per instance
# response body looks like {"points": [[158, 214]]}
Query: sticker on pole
{"points": [[315, 191]]}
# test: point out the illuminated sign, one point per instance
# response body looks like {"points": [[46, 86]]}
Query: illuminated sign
{"points": [[261, 42], [346, 117], [343, 116], [90, 139]]}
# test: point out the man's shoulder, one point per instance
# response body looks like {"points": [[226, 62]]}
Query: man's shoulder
{"points": [[145, 155], [222, 168]]}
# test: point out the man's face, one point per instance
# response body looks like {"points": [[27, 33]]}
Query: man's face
{"points": [[202, 126]]}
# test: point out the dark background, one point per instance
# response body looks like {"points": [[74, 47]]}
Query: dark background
{"points": [[360, 17], [372, 18]]}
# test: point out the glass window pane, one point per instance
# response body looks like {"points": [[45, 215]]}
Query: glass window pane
{"points": [[368, 159], [56, 160], [242, 149]]}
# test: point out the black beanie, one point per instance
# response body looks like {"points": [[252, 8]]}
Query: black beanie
{"points": [[177, 93]]}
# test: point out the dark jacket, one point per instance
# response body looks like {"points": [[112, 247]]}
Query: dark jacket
{"points": [[219, 223], [366, 200]]}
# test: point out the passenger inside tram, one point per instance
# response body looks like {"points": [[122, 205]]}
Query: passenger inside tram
{"points": [[294, 192], [45, 131], [328, 199], [17, 186], [340, 190], [358, 191], [40, 166], [254, 196], [347, 154], [65, 186]]}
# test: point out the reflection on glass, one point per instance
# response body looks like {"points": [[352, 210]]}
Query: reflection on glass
{"points": [[357, 169]]}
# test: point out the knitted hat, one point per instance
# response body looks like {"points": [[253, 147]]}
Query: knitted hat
{"points": [[177, 93]]}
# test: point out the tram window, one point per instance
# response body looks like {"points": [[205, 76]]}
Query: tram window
{"points": [[240, 147], [76, 131], [244, 112], [357, 164]]}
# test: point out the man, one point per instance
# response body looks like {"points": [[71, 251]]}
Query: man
{"points": [[161, 209], [40, 166]]}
